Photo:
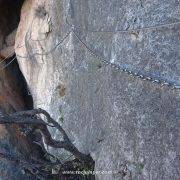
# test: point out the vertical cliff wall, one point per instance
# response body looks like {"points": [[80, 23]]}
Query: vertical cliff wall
{"points": [[126, 123]]}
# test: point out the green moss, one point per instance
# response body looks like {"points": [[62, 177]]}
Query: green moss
{"points": [[139, 166], [61, 117]]}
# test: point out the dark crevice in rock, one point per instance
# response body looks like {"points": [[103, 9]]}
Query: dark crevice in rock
{"points": [[14, 80], [9, 15], [9, 20], [14, 70]]}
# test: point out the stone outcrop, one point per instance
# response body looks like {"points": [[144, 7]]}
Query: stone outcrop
{"points": [[125, 123]]}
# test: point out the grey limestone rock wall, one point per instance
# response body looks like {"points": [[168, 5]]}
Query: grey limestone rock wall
{"points": [[124, 122]]}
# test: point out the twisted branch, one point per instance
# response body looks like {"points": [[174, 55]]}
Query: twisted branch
{"points": [[29, 117]]}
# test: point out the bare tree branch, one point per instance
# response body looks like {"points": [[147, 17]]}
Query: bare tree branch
{"points": [[49, 119], [29, 117]]}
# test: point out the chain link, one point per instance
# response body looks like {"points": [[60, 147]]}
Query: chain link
{"points": [[131, 73]]}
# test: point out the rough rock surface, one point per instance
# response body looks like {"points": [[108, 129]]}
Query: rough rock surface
{"points": [[120, 120]]}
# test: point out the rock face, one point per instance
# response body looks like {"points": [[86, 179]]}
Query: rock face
{"points": [[128, 125]]}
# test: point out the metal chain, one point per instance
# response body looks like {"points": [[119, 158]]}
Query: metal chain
{"points": [[107, 62], [131, 73]]}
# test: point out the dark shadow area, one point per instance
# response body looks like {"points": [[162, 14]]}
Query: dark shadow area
{"points": [[9, 15], [14, 70], [9, 19]]}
